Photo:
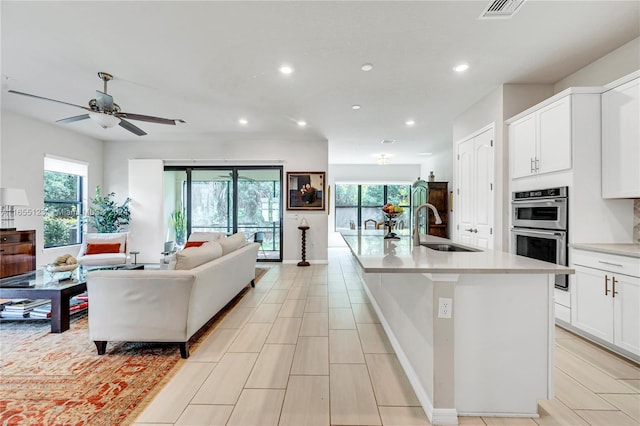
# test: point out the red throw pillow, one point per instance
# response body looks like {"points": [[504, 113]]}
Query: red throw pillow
{"points": [[194, 244], [98, 248]]}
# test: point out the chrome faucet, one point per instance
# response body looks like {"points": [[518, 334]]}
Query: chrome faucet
{"points": [[416, 232]]}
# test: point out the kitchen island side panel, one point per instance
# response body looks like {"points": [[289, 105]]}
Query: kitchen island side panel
{"points": [[503, 344], [405, 309]]}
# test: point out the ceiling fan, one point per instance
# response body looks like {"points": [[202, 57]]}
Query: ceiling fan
{"points": [[105, 112]]}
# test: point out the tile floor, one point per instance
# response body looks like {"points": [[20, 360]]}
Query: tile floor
{"points": [[306, 348]]}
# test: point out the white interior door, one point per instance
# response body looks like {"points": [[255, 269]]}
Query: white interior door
{"points": [[483, 182], [475, 190], [465, 192]]}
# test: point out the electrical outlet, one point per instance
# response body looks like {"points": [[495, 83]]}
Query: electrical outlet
{"points": [[445, 306]]}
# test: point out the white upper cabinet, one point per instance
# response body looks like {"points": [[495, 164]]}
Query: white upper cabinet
{"points": [[540, 142], [621, 140]]}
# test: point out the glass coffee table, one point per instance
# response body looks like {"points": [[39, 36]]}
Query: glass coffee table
{"points": [[59, 288]]}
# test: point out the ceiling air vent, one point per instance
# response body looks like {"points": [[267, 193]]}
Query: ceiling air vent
{"points": [[501, 9]]}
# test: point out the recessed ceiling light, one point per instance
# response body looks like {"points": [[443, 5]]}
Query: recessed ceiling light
{"points": [[356, 106], [461, 68], [243, 121], [366, 67], [382, 159], [409, 122], [286, 69], [387, 141], [302, 123]]}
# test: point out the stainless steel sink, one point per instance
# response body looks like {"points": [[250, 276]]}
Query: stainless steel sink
{"points": [[446, 247]]}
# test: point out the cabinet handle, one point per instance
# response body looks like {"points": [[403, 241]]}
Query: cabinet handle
{"points": [[606, 285], [475, 231], [613, 286], [609, 263], [537, 165], [469, 230], [531, 164]]}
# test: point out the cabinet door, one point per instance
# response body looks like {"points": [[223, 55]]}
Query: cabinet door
{"points": [[522, 143], [591, 309], [621, 141], [554, 137], [626, 306]]}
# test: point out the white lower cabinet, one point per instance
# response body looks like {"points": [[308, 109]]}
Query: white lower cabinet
{"points": [[605, 299]]}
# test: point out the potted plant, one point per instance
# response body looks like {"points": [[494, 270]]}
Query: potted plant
{"points": [[179, 223], [106, 215]]}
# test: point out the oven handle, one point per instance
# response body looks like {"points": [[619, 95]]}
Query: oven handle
{"points": [[527, 231], [542, 200]]}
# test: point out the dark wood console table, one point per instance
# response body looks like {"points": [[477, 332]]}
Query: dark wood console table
{"points": [[17, 252]]}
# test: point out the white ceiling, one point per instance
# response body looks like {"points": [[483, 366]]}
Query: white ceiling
{"points": [[211, 62]]}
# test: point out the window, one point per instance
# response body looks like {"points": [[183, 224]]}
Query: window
{"points": [[63, 202], [357, 203]]}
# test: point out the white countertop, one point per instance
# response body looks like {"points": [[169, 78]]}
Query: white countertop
{"points": [[375, 254], [630, 250]]}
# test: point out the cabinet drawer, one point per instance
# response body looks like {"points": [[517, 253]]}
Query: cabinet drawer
{"points": [[21, 248], [607, 262], [12, 237]]}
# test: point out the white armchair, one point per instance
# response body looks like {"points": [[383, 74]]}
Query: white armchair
{"points": [[104, 249]]}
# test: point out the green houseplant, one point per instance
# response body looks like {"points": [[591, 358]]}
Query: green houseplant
{"points": [[179, 223], [106, 215]]}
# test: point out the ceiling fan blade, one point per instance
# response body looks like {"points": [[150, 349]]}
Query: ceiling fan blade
{"points": [[72, 119], [130, 127], [150, 119], [104, 102], [48, 99]]}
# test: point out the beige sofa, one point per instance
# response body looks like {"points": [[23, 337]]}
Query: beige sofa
{"points": [[169, 305]]}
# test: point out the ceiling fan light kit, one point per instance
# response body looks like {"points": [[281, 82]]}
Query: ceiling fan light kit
{"points": [[104, 120], [105, 112]]}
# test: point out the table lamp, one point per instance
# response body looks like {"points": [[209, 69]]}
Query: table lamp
{"points": [[9, 198]]}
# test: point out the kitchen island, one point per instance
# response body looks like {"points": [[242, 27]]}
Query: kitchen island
{"points": [[473, 330]]}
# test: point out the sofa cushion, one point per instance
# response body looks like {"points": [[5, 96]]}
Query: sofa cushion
{"points": [[99, 248], [103, 259], [206, 236], [232, 243], [191, 257]]}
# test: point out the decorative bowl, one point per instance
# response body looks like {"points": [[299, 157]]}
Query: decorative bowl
{"points": [[62, 268]]}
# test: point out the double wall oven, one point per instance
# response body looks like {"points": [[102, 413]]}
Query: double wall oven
{"points": [[540, 227]]}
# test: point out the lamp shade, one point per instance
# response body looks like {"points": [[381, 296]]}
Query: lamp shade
{"points": [[13, 197], [104, 120]]}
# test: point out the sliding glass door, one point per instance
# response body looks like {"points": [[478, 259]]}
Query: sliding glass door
{"points": [[230, 199]]}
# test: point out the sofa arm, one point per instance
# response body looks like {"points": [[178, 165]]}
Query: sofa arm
{"points": [[139, 306]]}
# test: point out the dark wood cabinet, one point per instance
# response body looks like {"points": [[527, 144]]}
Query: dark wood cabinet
{"points": [[17, 252], [438, 195]]}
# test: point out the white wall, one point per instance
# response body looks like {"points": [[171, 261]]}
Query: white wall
{"points": [[24, 144], [610, 67], [309, 154]]}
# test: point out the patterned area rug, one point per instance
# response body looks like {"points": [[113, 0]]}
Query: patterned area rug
{"points": [[58, 379]]}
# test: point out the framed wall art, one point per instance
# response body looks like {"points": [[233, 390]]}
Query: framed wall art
{"points": [[306, 190]]}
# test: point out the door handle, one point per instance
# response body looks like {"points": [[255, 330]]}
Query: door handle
{"points": [[613, 286], [606, 285]]}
